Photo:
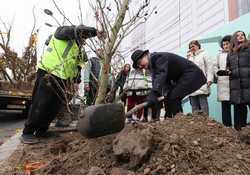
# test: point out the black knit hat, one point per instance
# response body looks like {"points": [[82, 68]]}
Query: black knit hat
{"points": [[224, 39], [137, 55]]}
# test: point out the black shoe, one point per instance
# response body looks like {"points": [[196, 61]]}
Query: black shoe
{"points": [[47, 134], [29, 139], [155, 119]]}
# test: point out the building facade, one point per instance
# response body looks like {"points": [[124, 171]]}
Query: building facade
{"points": [[176, 22]]}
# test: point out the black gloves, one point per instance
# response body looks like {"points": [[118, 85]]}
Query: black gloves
{"points": [[223, 73], [152, 99], [85, 31]]}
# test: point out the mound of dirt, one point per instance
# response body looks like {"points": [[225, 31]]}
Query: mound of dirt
{"points": [[183, 145]]}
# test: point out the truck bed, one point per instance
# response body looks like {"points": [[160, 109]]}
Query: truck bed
{"points": [[15, 99]]}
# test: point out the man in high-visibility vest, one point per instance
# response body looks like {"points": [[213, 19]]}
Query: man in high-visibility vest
{"points": [[59, 66]]}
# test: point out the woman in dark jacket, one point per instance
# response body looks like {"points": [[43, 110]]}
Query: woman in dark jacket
{"points": [[118, 84], [121, 78], [238, 63]]}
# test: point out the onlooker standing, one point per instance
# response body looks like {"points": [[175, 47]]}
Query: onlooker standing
{"points": [[137, 86], [91, 76], [120, 80], [238, 63], [223, 92], [198, 99]]}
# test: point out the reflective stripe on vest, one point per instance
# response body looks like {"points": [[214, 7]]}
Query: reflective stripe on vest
{"points": [[61, 58]]}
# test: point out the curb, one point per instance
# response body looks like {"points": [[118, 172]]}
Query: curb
{"points": [[7, 148]]}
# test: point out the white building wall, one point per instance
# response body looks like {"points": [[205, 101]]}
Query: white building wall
{"points": [[176, 22]]}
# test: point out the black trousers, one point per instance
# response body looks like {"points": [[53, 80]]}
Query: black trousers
{"points": [[226, 113], [156, 109], [240, 115], [47, 99], [172, 107], [91, 95]]}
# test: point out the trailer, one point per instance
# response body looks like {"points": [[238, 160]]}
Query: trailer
{"points": [[15, 99]]}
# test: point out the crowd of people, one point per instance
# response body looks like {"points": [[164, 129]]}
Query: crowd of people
{"points": [[231, 73], [154, 75], [229, 70]]}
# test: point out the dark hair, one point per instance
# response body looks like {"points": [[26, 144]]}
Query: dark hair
{"points": [[235, 45], [195, 42], [226, 38], [125, 66]]}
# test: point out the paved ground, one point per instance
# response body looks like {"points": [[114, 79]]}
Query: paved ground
{"points": [[9, 126]]}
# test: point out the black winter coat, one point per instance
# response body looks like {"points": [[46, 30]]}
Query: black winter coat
{"points": [[239, 65], [168, 69], [120, 81]]}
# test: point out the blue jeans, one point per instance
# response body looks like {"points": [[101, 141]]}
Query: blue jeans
{"points": [[199, 103]]}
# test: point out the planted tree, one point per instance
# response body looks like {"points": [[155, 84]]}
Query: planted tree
{"points": [[117, 20]]}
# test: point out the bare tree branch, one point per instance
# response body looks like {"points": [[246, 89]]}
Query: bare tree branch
{"points": [[104, 19], [80, 10], [61, 12], [2, 37], [4, 24], [34, 22], [118, 5]]}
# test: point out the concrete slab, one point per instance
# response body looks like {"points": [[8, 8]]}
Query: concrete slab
{"points": [[7, 148]]}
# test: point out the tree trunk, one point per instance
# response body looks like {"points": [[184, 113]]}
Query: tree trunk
{"points": [[103, 83], [109, 45]]}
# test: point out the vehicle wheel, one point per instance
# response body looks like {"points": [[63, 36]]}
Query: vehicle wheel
{"points": [[26, 111]]}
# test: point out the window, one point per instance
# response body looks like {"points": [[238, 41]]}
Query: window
{"points": [[243, 7]]}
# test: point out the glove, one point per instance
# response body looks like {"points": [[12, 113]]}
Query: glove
{"points": [[123, 96], [223, 73], [85, 31], [152, 99], [110, 97], [86, 88]]}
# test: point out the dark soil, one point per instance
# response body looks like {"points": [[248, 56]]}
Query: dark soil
{"points": [[184, 145]]}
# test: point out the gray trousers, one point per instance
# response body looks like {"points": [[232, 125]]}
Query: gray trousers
{"points": [[199, 103]]}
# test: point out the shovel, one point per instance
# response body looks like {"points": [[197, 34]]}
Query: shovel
{"points": [[104, 119]]}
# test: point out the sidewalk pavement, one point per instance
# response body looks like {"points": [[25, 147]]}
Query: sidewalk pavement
{"points": [[7, 148]]}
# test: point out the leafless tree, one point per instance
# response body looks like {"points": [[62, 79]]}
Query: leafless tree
{"points": [[117, 20], [19, 67]]}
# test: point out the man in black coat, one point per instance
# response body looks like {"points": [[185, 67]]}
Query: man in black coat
{"points": [[167, 68]]}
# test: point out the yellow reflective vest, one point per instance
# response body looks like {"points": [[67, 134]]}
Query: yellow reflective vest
{"points": [[61, 58]]}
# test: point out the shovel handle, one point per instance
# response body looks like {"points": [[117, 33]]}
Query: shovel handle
{"points": [[140, 106]]}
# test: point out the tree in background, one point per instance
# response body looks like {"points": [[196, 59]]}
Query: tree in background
{"points": [[14, 69]]}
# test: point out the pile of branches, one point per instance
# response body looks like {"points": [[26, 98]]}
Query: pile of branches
{"points": [[17, 70]]}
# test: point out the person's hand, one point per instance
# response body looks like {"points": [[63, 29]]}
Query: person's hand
{"points": [[110, 97], [209, 83], [123, 96], [223, 73], [86, 88]]}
